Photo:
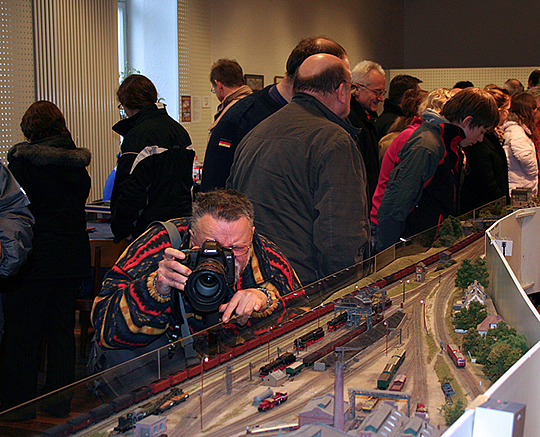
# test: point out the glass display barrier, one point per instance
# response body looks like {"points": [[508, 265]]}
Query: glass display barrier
{"points": [[160, 379]]}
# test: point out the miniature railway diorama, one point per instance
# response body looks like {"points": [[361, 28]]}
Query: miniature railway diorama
{"points": [[263, 337]]}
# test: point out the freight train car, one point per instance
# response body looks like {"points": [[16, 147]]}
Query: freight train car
{"points": [[390, 369]]}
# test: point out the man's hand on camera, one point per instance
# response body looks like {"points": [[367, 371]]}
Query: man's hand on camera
{"points": [[243, 303], [171, 272]]}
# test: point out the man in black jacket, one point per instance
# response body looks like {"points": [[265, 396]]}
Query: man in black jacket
{"points": [[154, 174], [370, 81], [392, 105]]}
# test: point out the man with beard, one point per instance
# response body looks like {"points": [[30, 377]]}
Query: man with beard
{"points": [[133, 308]]}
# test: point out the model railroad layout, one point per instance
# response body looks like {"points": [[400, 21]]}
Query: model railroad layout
{"points": [[123, 402]]}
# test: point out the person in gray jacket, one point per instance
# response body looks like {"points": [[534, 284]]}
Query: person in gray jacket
{"points": [[303, 172], [16, 223]]}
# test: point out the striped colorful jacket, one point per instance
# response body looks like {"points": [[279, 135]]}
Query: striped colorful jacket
{"points": [[128, 313]]}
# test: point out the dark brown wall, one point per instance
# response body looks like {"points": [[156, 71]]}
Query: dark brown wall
{"points": [[471, 33]]}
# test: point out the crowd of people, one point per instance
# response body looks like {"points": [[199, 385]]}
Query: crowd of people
{"points": [[300, 180]]}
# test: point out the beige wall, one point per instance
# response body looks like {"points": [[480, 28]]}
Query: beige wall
{"points": [[261, 34]]}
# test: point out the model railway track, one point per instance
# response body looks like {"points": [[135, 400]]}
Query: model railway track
{"points": [[464, 375]]}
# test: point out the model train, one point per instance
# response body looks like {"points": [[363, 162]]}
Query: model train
{"points": [[311, 337], [390, 369], [455, 354], [278, 364], [118, 404], [124, 401], [337, 322]]}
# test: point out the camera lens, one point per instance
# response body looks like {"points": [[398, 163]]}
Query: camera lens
{"points": [[206, 287], [207, 284]]}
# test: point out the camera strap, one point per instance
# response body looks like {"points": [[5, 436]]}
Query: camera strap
{"points": [[178, 309]]}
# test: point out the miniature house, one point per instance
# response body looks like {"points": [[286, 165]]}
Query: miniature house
{"points": [[475, 293], [445, 257], [521, 197], [387, 420], [151, 426], [490, 322], [320, 410], [275, 379]]}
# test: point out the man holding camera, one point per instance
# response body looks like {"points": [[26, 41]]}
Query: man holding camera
{"points": [[134, 306]]}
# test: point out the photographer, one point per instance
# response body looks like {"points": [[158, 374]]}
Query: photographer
{"points": [[133, 308]]}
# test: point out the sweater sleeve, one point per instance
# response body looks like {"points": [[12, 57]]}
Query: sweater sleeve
{"points": [[127, 313]]}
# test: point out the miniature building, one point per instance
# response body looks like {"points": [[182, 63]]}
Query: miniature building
{"points": [[490, 322], [475, 292], [275, 379], [151, 426], [420, 272], [469, 227], [521, 197], [445, 257], [388, 421], [317, 430], [320, 410]]}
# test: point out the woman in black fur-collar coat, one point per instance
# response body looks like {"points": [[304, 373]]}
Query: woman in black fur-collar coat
{"points": [[40, 301]]}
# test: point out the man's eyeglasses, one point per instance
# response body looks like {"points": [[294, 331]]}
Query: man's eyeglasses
{"points": [[378, 93], [239, 250], [353, 86]]}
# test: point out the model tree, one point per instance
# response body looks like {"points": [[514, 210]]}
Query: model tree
{"points": [[453, 412], [505, 347], [497, 351], [450, 232], [470, 318], [472, 271]]}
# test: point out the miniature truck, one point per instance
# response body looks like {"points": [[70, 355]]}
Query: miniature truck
{"points": [[270, 403]]}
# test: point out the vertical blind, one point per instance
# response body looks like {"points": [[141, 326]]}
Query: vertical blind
{"points": [[76, 67]]}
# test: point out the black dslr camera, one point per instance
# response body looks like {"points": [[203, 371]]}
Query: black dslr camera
{"points": [[212, 275]]}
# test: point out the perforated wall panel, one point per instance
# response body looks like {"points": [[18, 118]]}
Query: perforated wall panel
{"points": [[16, 70], [194, 68], [447, 77]]}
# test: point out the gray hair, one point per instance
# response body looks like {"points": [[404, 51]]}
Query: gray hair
{"points": [[360, 72], [227, 205]]}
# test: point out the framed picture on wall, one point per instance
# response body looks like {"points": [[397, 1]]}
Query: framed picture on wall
{"points": [[277, 79], [254, 81]]}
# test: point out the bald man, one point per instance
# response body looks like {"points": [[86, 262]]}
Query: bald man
{"points": [[251, 110], [303, 172]]}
